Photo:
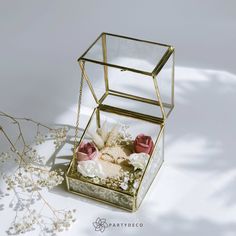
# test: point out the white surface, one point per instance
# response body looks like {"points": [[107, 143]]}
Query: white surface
{"points": [[194, 193]]}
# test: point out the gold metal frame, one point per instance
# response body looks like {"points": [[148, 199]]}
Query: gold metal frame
{"points": [[120, 111]]}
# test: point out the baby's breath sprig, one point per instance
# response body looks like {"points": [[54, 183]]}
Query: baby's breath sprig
{"points": [[31, 177]]}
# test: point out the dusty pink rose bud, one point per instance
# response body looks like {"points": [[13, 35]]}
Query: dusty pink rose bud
{"points": [[143, 143], [86, 151]]}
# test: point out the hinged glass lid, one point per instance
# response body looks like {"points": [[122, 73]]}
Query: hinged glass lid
{"points": [[130, 76]]}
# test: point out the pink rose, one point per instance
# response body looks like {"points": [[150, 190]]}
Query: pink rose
{"points": [[143, 143], [86, 151]]}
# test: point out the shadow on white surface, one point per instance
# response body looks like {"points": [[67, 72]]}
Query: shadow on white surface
{"points": [[194, 193]]}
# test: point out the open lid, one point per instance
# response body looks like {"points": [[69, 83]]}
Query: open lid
{"points": [[130, 76]]}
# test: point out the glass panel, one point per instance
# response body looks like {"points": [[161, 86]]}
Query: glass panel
{"points": [[126, 52], [133, 54], [132, 83], [127, 90], [166, 86], [102, 194], [152, 169], [95, 52], [132, 105], [94, 73]]}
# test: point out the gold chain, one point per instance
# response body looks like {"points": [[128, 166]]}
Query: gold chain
{"points": [[79, 108]]}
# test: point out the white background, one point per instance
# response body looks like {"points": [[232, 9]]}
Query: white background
{"points": [[195, 191]]}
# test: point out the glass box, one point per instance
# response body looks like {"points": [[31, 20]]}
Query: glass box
{"points": [[126, 94]]}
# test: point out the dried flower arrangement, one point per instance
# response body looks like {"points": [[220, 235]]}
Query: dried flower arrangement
{"points": [[113, 158], [30, 178]]}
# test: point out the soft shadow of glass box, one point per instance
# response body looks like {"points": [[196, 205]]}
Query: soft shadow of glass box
{"points": [[126, 93]]}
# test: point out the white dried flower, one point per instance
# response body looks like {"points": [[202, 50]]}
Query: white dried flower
{"points": [[90, 168], [139, 160], [97, 139], [103, 131], [124, 185], [113, 136], [102, 137]]}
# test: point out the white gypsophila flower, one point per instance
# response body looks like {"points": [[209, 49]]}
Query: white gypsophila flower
{"points": [[96, 180], [4, 156], [63, 221], [49, 179], [24, 224], [124, 134], [33, 156], [139, 160], [32, 178], [124, 185], [39, 138], [29, 179], [90, 168], [126, 179], [59, 136], [136, 184]]}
